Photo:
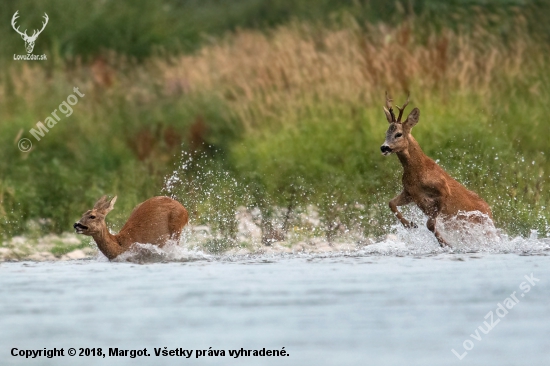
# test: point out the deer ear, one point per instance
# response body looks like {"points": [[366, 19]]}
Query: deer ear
{"points": [[109, 205], [100, 202], [412, 119], [104, 205]]}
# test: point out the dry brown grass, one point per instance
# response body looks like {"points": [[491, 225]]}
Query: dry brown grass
{"points": [[299, 61], [269, 79], [258, 73]]}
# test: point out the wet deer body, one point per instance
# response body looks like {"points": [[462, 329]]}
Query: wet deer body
{"points": [[425, 183], [154, 221]]}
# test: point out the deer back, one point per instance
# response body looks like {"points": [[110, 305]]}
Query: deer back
{"points": [[154, 222]]}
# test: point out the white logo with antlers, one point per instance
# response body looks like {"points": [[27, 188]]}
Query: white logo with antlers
{"points": [[29, 40]]}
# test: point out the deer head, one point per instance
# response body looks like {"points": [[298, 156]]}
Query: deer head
{"points": [[397, 133], [93, 221], [29, 40]]}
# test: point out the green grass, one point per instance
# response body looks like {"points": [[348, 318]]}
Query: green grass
{"points": [[278, 131], [335, 160], [328, 157], [141, 28]]}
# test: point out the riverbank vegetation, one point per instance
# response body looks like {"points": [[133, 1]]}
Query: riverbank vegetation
{"points": [[283, 117]]}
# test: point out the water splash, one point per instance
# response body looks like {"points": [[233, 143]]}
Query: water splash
{"points": [[148, 253], [465, 238], [220, 229]]}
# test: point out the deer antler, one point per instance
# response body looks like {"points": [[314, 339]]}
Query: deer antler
{"points": [[13, 19], [388, 109], [402, 108], [43, 24], [35, 32]]}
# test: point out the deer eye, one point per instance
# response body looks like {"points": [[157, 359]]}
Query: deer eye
{"points": [[92, 217], [398, 135]]}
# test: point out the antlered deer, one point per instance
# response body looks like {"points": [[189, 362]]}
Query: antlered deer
{"points": [[424, 182], [154, 221]]}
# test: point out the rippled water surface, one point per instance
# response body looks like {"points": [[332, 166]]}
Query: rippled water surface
{"points": [[337, 309]]}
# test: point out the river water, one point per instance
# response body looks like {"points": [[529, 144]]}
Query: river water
{"points": [[346, 308]]}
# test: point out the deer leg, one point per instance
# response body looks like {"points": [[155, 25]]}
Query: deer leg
{"points": [[401, 200], [431, 226]]}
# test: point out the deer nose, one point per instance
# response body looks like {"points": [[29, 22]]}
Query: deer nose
{"points": [[75, 225], [385, 148]]}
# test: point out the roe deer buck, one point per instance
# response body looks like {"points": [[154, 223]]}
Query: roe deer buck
{"points": [[424, 182], [154, 221]]}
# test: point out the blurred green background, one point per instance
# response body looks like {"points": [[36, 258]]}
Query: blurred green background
{"points": [[271, 104]]}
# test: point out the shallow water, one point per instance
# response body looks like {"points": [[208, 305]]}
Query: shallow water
{"points": [[325, 309]]}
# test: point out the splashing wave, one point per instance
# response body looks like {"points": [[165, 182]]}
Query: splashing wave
{"points": [[469, 238]]}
